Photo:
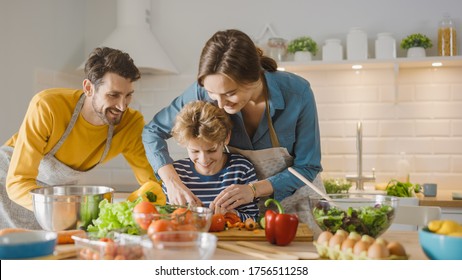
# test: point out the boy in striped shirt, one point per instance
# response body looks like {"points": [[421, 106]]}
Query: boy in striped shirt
{"points": [[204, 130]]}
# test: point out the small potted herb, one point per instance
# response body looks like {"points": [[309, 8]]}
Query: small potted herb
{"points": [[415, 44], [302, 48]]}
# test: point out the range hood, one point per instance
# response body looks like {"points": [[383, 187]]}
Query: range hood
{"points": [[133, 35]]}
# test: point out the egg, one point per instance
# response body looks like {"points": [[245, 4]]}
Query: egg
{"points": [[381, 241], [355, 236], [360, 246], [336, 241], [368, 238], [324, 238], [342, 232], [396, 249], [378, 251], [348, 244]]}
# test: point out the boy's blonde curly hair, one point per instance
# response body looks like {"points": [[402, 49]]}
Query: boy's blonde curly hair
{"points": [[201, 120]]}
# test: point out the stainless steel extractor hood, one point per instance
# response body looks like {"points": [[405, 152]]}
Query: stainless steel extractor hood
{"points": [[133, 35]]}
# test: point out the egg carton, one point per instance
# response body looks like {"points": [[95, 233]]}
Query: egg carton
{"points": [[334, 253]]}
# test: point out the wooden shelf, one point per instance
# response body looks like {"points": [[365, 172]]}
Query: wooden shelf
{"points": [[398, 63]]}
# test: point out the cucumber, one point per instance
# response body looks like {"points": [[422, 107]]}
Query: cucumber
{"points": [[261, 222]]}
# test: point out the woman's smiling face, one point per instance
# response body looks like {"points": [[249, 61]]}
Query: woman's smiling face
{"points": [[229, 95]]}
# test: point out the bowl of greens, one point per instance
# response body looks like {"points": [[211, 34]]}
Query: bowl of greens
{"points": [[363, 213]]}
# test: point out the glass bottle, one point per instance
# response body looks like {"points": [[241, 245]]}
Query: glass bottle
{"points": [[277, 48], [403, 169], [447, 37]]}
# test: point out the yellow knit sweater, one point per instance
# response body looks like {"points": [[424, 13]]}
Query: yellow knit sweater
{"points": [[46, 120]]}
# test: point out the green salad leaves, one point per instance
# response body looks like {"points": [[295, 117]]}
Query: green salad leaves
{"points": [[334, 186], [114, 217], [370, 220], [402, 189]]}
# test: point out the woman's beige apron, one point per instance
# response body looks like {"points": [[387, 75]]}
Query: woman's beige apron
{"points": [[51, 172], [268, 162]]}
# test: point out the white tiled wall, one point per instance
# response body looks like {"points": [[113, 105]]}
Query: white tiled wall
{"points": [[418, 111]]}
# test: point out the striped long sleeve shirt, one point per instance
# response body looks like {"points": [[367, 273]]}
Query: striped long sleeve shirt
{"points": [[237, 170]]}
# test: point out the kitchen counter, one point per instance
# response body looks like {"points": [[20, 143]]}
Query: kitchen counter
{"points": [[409, 239], [442, 199]]}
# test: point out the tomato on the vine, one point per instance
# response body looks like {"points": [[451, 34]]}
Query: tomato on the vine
{"points": [[143, 214]]}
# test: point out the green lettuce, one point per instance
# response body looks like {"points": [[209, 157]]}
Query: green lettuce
{"points": [[114, 217]]}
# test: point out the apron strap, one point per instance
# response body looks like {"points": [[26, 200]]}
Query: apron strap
{"points": [[110, 132], [272, 132], [70, 126]]}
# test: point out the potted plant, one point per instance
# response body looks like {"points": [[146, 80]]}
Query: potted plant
{"points": [[415, 44], [302, 48]]}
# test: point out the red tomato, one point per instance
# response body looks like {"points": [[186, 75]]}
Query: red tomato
{"points": [[218, 223], [143, 211], [187, 227], [232, 218], [183, 216], [160, 225]]}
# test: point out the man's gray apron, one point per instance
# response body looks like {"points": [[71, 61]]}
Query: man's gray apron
{"points": [[51, 172], [268, 162]]}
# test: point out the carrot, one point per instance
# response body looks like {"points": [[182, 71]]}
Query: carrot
{"points": [[12, 230], [250, 224], [65, 236]]}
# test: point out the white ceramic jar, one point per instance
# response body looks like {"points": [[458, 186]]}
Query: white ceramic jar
{"points": [[357, 44], [385, 46], [332, 50]]}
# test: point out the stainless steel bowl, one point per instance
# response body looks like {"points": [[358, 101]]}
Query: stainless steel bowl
{"points": [[68, 207]]}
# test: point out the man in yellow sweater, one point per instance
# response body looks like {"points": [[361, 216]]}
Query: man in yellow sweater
{"points": [[67, 132]]}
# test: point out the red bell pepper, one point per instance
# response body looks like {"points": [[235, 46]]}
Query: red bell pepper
{"points": [[280, 228]]}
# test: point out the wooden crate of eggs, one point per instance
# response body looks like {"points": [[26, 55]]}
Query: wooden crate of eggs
{"points": [[353, 246]]}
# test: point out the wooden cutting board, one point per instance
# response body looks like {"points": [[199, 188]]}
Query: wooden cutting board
{"points": [[304, 233], [64, 251]]}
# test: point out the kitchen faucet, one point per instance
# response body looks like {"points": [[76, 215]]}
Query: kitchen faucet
{"points": [[359, 178]]}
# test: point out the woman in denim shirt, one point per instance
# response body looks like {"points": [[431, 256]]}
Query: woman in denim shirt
{"points": [[234, 74]]}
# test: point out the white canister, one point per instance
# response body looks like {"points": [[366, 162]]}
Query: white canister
{"points": [[357, 44], [332, 50], [385, 46]]}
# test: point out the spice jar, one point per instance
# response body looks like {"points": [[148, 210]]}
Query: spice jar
{"points": [[277, 48], [447, 40]]}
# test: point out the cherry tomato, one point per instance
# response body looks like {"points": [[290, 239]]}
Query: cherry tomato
{"points": [[183, 216], [218, 223], [187, 227], [160, 225], [143, 214]]}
